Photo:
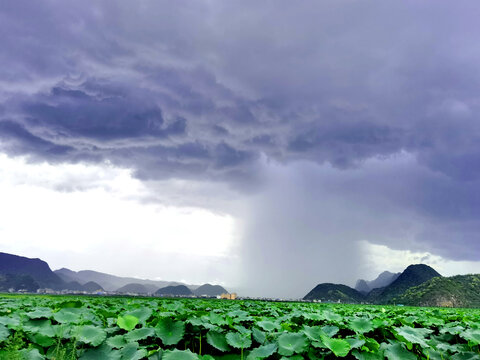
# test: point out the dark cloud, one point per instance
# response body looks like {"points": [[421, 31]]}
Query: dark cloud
{"points": [[226, 155], [73, 113], [307, 227], [19, 141], [345, 95], [264, 140], [344, 144], [214, 91], [219, 130]]}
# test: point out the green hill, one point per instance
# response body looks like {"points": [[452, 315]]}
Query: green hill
{"points": [[455, 291], [133, 288], [334, 293], [92, 286], [18, 282], [413, 275], [37, 269], [179, 290], [209, 290]]}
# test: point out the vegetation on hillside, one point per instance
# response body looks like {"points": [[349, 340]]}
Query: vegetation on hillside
{"points": [[37, 269], [413, 275], [178, 290], [455, 291], [17, 282], [209, 290], [335, 293]]}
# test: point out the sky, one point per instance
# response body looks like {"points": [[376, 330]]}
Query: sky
{"points": [[265, 146]]}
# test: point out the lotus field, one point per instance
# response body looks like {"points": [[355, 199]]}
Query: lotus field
{"points": [[41, 327]]}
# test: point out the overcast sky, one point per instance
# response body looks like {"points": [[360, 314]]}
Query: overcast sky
{"points": [[263, 145]]}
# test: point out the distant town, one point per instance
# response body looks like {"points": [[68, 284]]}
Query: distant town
{"points": [[100, 292]]}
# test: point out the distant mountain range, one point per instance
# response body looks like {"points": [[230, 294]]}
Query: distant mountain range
{"points": [[22, 273], [173, 290], [135, 288], [418, 285], [111, 282], [384, 279], [397, 286]]}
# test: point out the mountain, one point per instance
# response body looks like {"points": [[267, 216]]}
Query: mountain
{"points": [[73, 286], [413, 275], [382, 280], [67, 275], [178, 290], [37, 269], [88, 287], [335, 292], [362, 287], [455, 291], [18, 282], [151, 288], [22, 273], [209, 290], [134, 288], [107, 281], [92, 286]]}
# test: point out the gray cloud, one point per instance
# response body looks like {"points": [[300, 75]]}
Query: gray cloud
{"points": [[73, 113], [307, 226], [210, 91], [19, 141]]}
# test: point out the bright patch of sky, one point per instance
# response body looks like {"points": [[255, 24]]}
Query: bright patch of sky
{"points": [[74, 215], [381, 258]]}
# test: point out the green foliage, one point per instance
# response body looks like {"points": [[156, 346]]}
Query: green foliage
{"points": [[455, 291], [471, 335], [67, 316], [69, 328], [117, 341], [259, 335], [239, 340], [89, 334], [339, 347], [262, 352], [127, 322], [139, 334], [398, 352], [291, 343], [414, 335], [217, 340], [4, 333], [360, 325], [179, 355], [169, 331], [268, 325]]}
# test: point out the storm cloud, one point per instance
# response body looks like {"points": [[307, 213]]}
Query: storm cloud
{"points": [[344, 121]]}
